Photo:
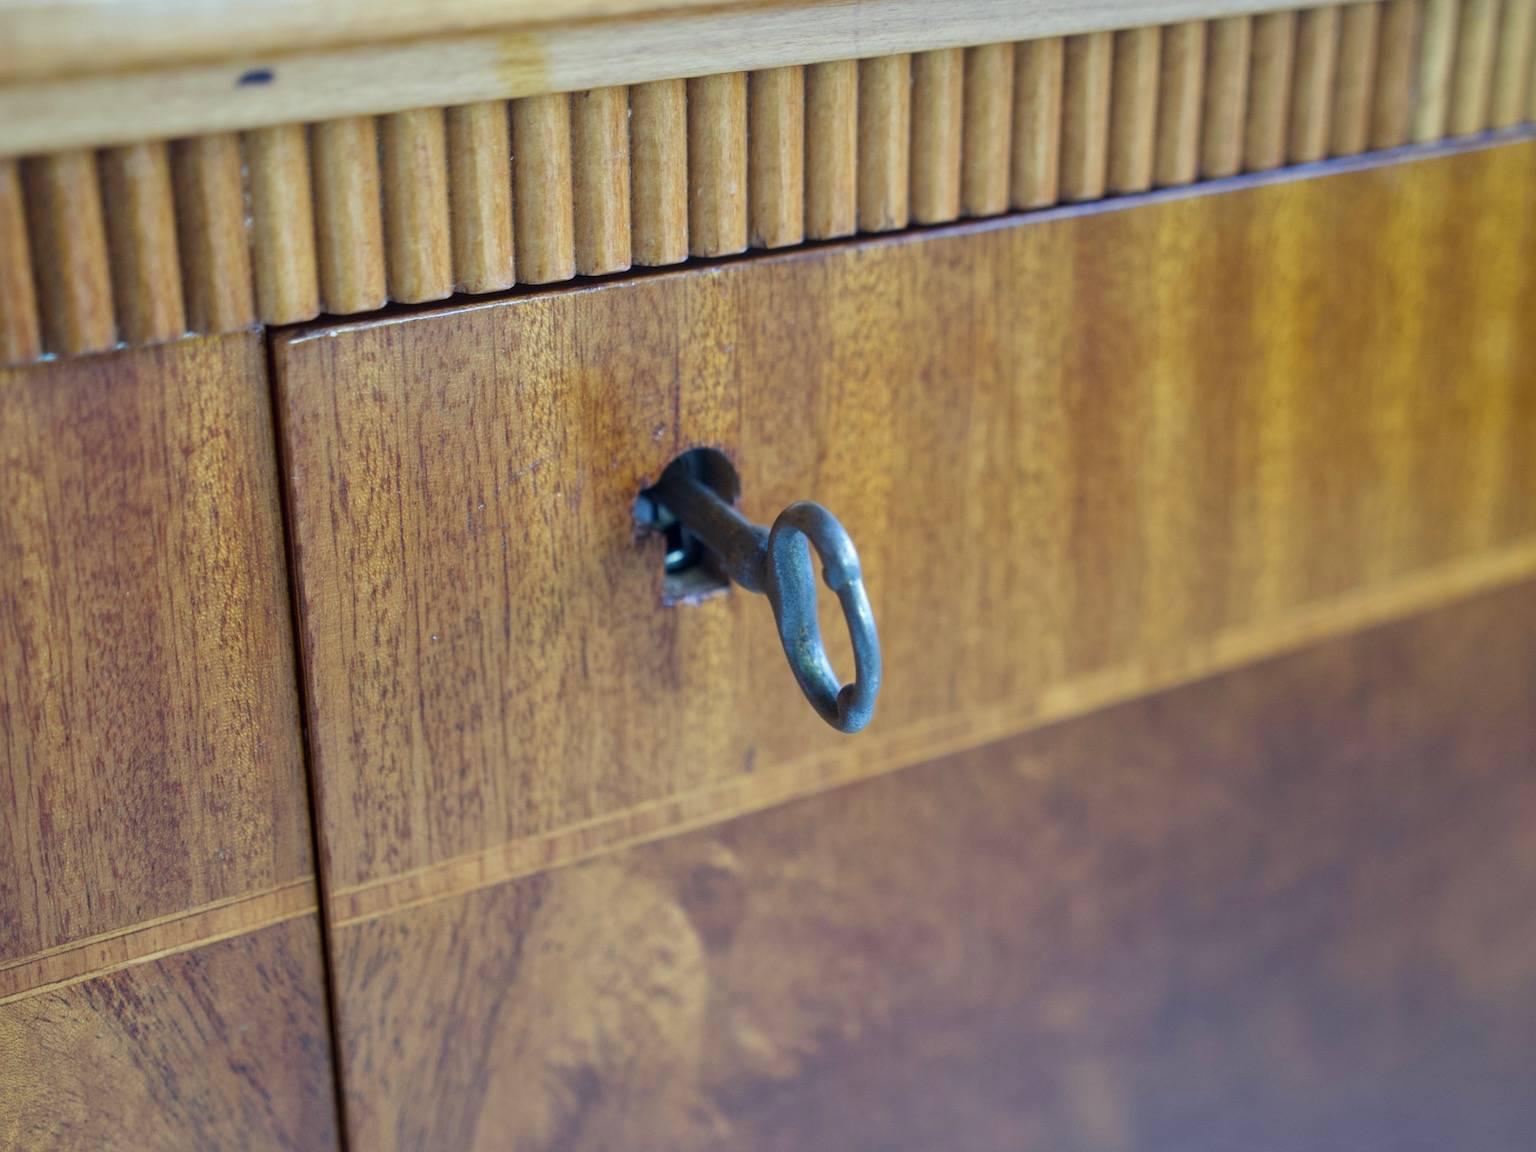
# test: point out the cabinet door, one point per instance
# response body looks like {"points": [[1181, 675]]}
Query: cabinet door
{"points": [[161, 975], [1085, 456]]}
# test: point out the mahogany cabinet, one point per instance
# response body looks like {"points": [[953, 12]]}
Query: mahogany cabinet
{"points": [[389, 764], [161, 974]]}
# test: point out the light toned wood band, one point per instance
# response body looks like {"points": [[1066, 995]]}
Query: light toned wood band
{"points": [[144, 242]]}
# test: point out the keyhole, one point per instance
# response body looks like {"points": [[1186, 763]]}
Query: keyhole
{"points": [[689, 573]]}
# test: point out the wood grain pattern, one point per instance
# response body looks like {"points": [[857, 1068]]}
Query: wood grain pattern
{"points": [[418, 254], [92, 36], [349, 218], [215, 250], [1392, 107], [1359, 34], [1195, 100], [831, 149], [1237, 474], [1133, 109], [1269, 91], [1037, 123], [21, 336], [1472, 72], [885, 142], [1515, 69], [543, 220], [226, 1046], [1180, 96], [600, 180], [1290, 901], [314, 83], [1086, 78], [659, 153], [69, 253], [938, 127], [141, 238], [90, 957], [987, 124], [1438, 22], [776, 162], [1226, 97], [150, 731], [1314, 85], [480, 194], [283, 224], [717, 164]]}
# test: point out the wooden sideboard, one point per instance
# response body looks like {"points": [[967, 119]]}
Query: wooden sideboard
{"points": [[1171, 367]]}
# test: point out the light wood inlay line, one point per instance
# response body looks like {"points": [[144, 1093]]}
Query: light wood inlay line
{"points": [[1072, 697], [281, 223], [97, 955]]}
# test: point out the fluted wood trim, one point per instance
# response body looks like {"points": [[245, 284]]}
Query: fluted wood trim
{"points": [[143, 242]]}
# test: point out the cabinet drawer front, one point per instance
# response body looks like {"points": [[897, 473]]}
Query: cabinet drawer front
{"points": [[1084, 455], [1249, 905], [1079, 456], [161, 972]]}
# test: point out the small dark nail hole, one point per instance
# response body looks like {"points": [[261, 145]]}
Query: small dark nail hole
{"points": [[689, 572], [255, 77]]}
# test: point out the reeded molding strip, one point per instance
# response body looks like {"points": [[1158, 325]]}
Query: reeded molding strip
{"points": [[144, 242]]}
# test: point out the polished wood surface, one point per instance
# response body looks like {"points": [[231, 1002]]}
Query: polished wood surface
{"points": [[223, 1047], [215, 258], [161, 981], [413, 205], [543, 215], [68, 242], [1228, 57], [1285, 908], [465, 58], [149, 738], [1145, 439]]}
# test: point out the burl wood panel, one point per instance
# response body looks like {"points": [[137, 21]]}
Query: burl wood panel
{"points": [[149, 723], [1283, 909], [223, 1047], [1080, 447]]}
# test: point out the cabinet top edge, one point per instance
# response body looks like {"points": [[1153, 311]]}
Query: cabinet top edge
{"points": [[91, 73]]}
